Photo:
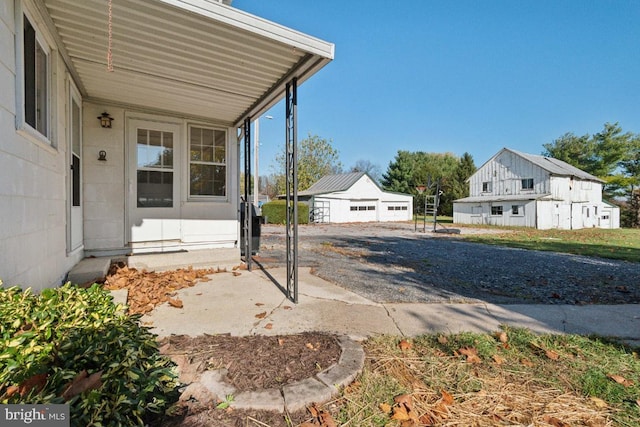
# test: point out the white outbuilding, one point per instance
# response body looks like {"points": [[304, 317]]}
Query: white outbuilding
{"points": [[355, 197], [527, 190]]}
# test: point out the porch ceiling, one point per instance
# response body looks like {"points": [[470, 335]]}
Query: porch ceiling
{"points": [[199, 57]]}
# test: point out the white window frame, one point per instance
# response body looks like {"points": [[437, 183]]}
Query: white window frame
{"points": [[500, 207], [208, 198], [522, 183], [25, 9], [488, 188]]}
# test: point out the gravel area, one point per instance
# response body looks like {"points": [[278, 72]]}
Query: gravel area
{"points": [[395, 263]]}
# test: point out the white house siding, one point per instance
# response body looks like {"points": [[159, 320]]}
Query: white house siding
{"points": [[108, 229], [33, 193]]}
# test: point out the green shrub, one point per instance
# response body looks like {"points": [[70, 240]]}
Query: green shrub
{"points": [[61, 333], [275, 212]]}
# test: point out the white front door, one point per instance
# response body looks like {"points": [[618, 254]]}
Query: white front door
{"points": [[74, 119], [154, 178]]}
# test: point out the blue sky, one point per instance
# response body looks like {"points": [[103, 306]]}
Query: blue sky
{"points": [[459, 76]]}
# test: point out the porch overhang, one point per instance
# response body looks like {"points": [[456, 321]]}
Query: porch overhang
{"points": [[197, 58]]}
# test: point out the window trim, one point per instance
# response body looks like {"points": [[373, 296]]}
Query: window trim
{"points": [[500, 207], [25, 10], [226, 164], [522, 182], [489, 186]]}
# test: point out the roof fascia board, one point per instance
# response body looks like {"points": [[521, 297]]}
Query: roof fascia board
{"points": [[307, 67], [245, 21]]}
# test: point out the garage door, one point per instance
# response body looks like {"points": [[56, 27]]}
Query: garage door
{"points": [[363, 212]]}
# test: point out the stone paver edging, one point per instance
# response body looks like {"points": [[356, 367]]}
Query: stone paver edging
{"points": [[209, 387]]}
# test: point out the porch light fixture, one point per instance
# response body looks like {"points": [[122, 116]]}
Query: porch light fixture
{"points": [[105, 120], [102, 156]]}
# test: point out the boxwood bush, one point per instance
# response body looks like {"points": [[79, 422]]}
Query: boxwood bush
{"points": [[50, 339], [275, 212]]}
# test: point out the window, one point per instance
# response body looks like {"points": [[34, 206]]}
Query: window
{"points": [[155, 168], [496, 210], [353, 208], [527, 184], [486, 187], [207, 162], [517, 210], [371, 208], [36, 79]]}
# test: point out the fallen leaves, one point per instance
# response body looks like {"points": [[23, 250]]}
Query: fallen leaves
{"points": [[81, 383], [404, 410], [471, 353], [405, 345], [148, 289], [621, 380], [321, 418], [36, 382], [175, 302]]}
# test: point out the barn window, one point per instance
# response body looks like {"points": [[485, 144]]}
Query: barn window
{"points": [[517, 210], [486, 187], [353, 208], [527, 184], [496, 210], [371, 208]]}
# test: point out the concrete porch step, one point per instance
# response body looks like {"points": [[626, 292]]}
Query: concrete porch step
{"points": [[222, 258], [89, 270]]}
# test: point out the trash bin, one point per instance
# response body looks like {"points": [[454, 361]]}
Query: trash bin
{"points": [[256, 221]]}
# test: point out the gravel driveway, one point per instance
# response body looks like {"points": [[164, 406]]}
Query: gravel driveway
{"points": [[390, 262]]}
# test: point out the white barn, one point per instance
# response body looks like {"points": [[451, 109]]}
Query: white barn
{"points": [[355, 197], [519, 189], [174, 82]]}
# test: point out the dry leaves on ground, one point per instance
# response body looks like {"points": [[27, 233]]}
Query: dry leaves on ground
{"points": [[148, 289], [81, 383], [321, 418]]}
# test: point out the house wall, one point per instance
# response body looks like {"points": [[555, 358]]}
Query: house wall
{"points": [[108, 229], [33, 177]]}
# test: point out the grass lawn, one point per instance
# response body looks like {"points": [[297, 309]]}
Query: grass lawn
{"points": [[511, 378], [622, 244]]}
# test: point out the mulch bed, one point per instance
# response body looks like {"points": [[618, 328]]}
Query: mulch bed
{"points": [[257, 362]]}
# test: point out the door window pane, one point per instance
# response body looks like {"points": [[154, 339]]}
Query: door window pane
{"points": [[155, 189], [155, 168]]}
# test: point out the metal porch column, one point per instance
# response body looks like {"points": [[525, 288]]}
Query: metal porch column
{"points": [[246, 224], [291, 172]]}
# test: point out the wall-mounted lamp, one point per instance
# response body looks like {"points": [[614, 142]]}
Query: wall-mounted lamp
{"points": [[102, 155], [105, 120]]}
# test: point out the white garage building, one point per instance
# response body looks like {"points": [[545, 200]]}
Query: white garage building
{"points": [[355, 197]]}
